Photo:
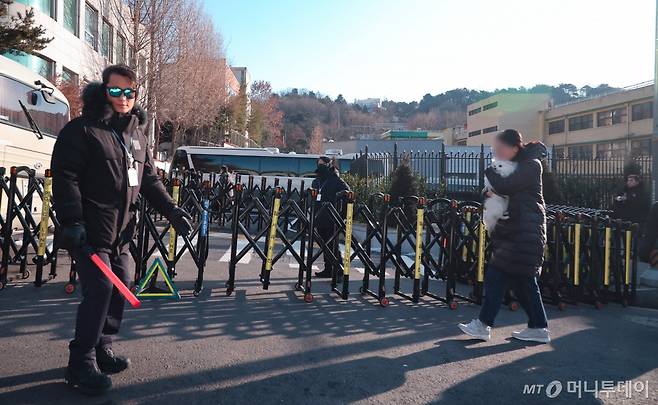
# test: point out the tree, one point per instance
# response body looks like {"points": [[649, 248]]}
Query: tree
{"points": [[315, 143], [72, 92], [265, 120], [19, 33]]}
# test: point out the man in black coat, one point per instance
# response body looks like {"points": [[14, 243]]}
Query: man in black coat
{"points": [[632, 203], [648, 246], [328, 183], [100, 166]]}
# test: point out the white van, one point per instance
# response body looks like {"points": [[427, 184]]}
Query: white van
{"points": [[32, 112]]}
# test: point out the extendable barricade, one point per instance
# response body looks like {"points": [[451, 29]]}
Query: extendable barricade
{"points": [[34, 235]]}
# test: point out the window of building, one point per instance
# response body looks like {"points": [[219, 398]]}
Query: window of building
{"points": [[611, 117], [641, 147], [38, 64], [556, 127], [610, 150], [50, 117], [474, 133], [46, 7], [490, 129], [475, 111], [490, 106], [121, 50], [106, 40], [70, 76], [91, 26], [642, 111], [71, 16], [580, 152], [580, 122]]}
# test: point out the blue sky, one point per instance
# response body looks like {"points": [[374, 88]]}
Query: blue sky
{"points": [[401, 50]]}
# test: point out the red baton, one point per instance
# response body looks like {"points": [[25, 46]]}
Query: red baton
{"points": [[127, 294]]}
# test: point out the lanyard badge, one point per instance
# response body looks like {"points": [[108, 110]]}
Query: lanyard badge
{"points": [[133, 178]]}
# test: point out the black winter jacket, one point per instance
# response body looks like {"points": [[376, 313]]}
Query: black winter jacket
{"points": [[90, 173], [328, 186], [634, 205], [649, 239], [518, 242]]}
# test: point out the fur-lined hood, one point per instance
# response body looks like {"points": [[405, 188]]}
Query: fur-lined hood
{"points": [[96, 107]]}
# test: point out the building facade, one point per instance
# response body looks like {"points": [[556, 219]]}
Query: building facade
{"points": [[611, 125], [615, 124], [487, 117], [87, 37]]}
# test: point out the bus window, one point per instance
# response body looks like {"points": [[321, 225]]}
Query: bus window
{"points": [[50, 117], [179, 162], [278, 166]]}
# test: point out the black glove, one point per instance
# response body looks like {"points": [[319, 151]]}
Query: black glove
{"points": [[181, 221], [72, 237]]}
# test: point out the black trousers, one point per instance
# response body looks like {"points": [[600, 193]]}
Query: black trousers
{"points": [[101, 310], [325, 234]]}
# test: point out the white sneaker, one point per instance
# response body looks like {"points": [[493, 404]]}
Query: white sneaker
{"points": [[541, 335], [476, 329]]}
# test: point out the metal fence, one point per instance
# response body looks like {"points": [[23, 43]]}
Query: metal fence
{"points": [[583, 182]]}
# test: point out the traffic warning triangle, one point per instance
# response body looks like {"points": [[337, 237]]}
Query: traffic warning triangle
{"points": [[147, 288]]}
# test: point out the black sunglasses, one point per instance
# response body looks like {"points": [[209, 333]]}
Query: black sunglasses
{"points": [[118, 91]]}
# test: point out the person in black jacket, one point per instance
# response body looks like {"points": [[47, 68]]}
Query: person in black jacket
{"points": [[632, 203], [100, 165], [328, 183], [648, 246], [518, 240]]}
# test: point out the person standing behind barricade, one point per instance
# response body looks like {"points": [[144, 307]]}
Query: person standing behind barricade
{"points": [[328, 183], [648, 246], [632, 203], [100, 166], [518, 241]]}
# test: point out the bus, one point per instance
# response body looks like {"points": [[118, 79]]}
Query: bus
{"points": [[258, 162], [32, 112]]}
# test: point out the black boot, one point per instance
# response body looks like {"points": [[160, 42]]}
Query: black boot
{"points": [[110, 363], [87, 378]]}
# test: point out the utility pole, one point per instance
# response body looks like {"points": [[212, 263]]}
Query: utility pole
{"points": [[654, 142]]}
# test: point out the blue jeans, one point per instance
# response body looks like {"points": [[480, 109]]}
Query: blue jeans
{"points": [[496, 283]]}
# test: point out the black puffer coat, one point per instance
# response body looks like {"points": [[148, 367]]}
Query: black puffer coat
{"points": [[328, 186], [90, 172], [519, 241]]}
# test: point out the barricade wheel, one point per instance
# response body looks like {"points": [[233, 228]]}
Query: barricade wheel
{"points": [[384, 302], [561, 306], [453, 305], [229, 291], [69, 288], [308, 297], [196, 293], [26, 275], [513, 306]]}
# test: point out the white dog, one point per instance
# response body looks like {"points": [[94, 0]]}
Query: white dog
{"points": [[495, 207]]}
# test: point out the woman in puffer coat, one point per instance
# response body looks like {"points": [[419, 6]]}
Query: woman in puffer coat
{"points": [[518, 241]]}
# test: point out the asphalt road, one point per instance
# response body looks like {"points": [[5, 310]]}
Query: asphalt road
{"points": [[264, 347]]}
